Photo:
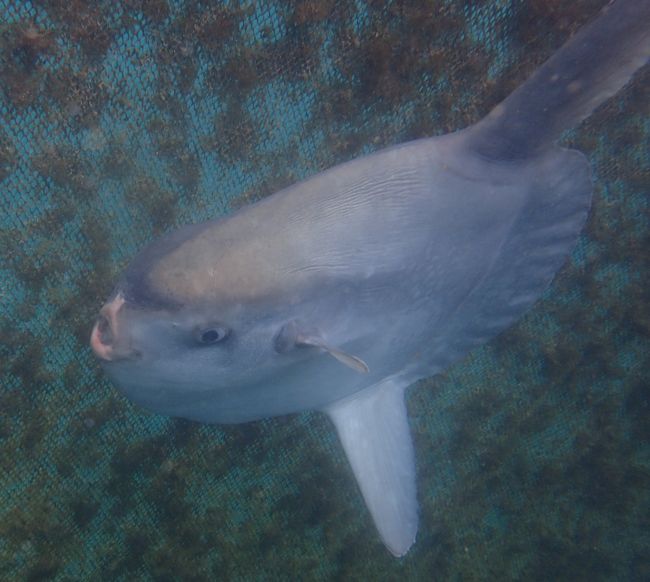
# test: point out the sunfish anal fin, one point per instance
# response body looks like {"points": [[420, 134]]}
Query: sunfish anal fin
{"points": [[374, 431]]}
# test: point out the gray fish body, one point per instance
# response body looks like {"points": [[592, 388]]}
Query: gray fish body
{"points": [[385, 264], [337, 293]]}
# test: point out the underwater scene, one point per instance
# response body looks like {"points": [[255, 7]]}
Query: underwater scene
{"points": [[123, 121]]}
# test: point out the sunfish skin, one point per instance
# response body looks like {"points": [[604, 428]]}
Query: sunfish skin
{"points": [[337, 293]]}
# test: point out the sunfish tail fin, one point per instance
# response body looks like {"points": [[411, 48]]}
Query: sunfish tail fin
{"points": [[374, 431], [591, 67]]}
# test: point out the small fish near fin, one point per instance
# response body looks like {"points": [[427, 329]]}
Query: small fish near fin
{"points": [[294, 335], [374, 431]]}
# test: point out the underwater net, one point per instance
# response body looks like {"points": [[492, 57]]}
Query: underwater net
{"points": [[120, 121]]}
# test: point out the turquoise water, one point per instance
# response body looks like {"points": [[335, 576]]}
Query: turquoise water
{"points": [[121, 121]]}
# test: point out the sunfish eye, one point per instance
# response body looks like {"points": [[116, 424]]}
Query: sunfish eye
{"points": [[212, 334]]}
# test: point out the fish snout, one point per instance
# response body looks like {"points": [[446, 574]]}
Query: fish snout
{"points": [[104, 339], [101, 339]]}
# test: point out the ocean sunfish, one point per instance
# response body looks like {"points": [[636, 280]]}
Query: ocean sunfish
{"points": [[337, 293]]}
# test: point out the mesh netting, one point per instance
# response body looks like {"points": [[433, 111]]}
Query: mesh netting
{"points": [[122, 120]]}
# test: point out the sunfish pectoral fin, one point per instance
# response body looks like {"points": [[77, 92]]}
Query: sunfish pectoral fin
{"points": [[374, 430], [348, 359], [294, 334]]}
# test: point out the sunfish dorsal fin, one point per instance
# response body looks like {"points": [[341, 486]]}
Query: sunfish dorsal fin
{"points": [[374, 431]]}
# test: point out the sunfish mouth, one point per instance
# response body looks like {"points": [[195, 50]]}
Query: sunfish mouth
{"points": [[104, 339]]}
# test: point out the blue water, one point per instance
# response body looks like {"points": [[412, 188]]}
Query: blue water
{"points": [[120, 121]]}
